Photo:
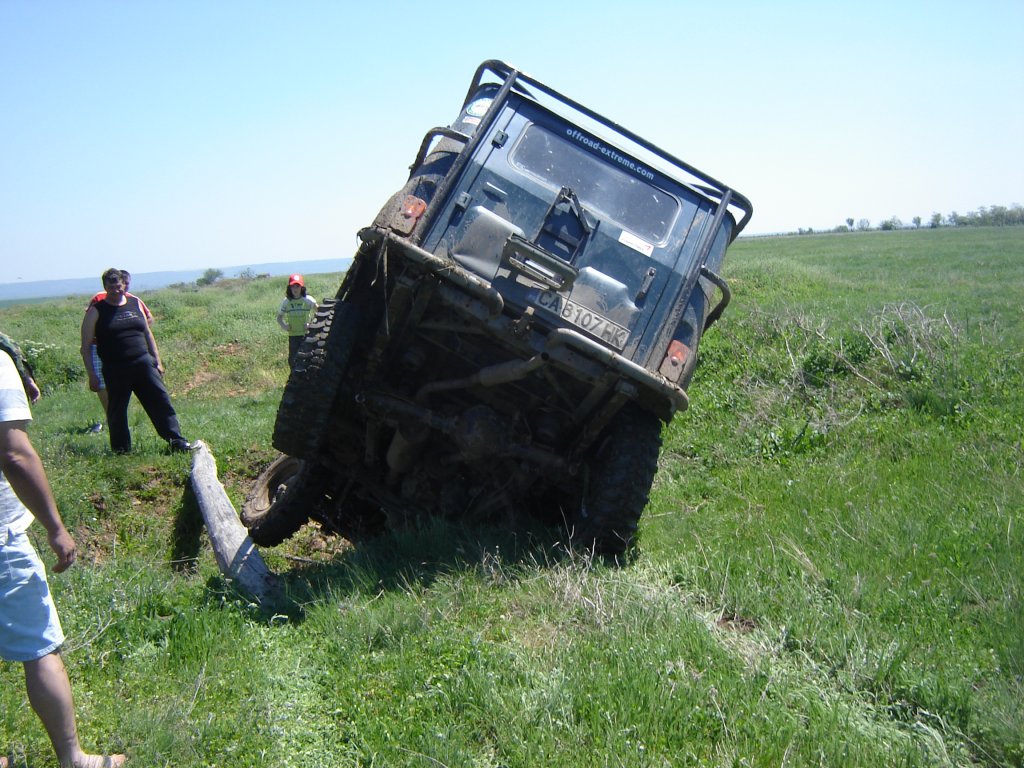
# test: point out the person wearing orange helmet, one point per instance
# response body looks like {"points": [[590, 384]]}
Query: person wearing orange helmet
{"points": [[294, 313]]}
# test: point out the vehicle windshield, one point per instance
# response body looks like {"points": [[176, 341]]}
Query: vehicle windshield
{"points": [[634, 204]]}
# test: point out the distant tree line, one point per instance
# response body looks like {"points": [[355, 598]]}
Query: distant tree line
{"points": [[992, 216]]}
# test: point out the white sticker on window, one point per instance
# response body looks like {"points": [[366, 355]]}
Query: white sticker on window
{"points": [[634, 242]]}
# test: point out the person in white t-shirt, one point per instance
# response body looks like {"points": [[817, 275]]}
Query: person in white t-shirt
{"points": [[30, 631]]}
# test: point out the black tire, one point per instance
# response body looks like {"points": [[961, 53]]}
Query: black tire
{"points": [[313, 385], [278, 503], [617, 483]]}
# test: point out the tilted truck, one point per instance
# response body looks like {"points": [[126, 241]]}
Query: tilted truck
{"points": [[518, 323]]}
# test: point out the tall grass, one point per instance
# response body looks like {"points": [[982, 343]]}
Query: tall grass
{"points": [[829, 572]]}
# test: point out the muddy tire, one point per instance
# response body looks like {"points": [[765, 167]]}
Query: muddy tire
{"points": [[617, 483], [314, 381], [278, 503]]}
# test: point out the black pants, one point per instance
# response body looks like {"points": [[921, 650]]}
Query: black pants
{"points": [[144, 381], [294, 344]]}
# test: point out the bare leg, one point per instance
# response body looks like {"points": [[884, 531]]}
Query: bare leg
{"points": [[49, 692], [97, 426]]}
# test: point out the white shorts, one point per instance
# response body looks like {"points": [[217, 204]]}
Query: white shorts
{"points": [[29, 626]]}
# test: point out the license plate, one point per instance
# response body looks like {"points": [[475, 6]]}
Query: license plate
{"points": [[584, 318]]}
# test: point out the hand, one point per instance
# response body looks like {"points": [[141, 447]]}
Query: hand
{"points": [[159, 367], [64, 547], [32, 390], [94, 382]]}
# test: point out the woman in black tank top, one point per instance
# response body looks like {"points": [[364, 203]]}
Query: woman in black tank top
{"points": [[121, 332], [131, 365]]}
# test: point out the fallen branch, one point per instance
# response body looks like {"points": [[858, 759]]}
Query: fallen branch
{"points": [[237, 556]]}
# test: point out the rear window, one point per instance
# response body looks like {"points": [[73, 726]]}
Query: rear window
{"points": [[630, 202]]}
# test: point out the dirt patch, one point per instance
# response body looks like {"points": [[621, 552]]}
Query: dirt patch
{"points": [[313, 544], [200, 379], [95, 541], [231, 348], [205, 377], [736, 623]]}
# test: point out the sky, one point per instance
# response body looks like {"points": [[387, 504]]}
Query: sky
{"points": [[158, 135]]}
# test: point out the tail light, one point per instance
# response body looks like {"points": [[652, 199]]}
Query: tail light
{"points": [[412, 208], [675, 360]]}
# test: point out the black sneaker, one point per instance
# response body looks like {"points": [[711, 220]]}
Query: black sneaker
{"points": [[181, 445]]}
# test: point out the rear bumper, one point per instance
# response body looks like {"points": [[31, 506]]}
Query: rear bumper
{"points": [[562, 346]]}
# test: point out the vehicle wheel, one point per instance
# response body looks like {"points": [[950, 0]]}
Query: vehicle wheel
{"points": [[617, 482], [278, 503], [313, 384]]}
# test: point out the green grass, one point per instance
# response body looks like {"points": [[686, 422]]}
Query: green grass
{"points": [[829, 572]]}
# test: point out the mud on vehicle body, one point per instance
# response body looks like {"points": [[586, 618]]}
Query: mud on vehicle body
{"points": [[517, 324]]}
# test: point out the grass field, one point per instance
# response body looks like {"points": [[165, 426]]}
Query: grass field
{"points": [[829, 572]]}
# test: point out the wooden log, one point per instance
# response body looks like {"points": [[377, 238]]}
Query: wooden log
{"points": [[237, 556]]}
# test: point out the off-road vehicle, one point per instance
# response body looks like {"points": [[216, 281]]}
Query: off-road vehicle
{"points": [[517, 324]]}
